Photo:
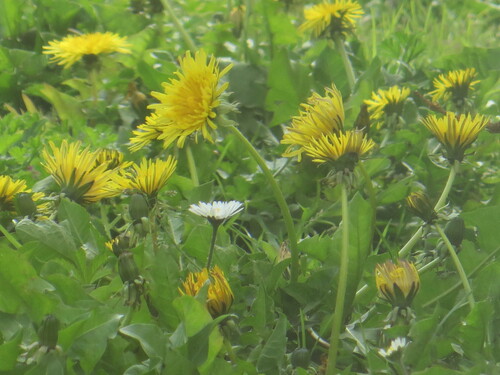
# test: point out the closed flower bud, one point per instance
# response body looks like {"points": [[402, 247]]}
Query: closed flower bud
{"points": [[454, 230], [397, 283], [49, 331], [24, 204], [220, 296], [420, 205], [138, 207], [301, 358], [127, 268]]}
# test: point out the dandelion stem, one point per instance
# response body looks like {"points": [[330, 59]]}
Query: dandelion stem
{"points": [[457, 285], [187, 38], [342, 287], [10, 237], [458, 266], [339, 43], [215, 227], [280, 199], [94, 90], [192, 166], [446, 191], [371, 190], [440, 204]]}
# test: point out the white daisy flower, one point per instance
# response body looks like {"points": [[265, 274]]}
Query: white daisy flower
{"points": [[396, 344], [216, 211]]}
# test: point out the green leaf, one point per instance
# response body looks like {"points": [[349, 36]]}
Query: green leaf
{"points": [[474, 329], [487, 222], [288, 86], [67, 107], [22, 289], [89, 347], [273, 352], [9, 351], [53, 235], [152, 340]]}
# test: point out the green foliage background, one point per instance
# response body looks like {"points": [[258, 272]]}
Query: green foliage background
{"points": [[62, 266]]}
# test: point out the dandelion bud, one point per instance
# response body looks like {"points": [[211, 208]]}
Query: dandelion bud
{"points": [[127, 268], [397, 283], [24, 204], [49, 331], [220, 296], [301, 358], [236, 17], [455, 230], [420, 205], [138, 207]]}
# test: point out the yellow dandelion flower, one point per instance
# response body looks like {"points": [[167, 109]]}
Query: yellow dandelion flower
{"points": [[73, 47], [454, 84], [387, 102], [75, 171], [145, 133], [189, 102], [150, 176], [219, 297], [420, 205], [320, 115], [343, 149], [9, 188], [329, 18], [456, 133], [397, 283]]}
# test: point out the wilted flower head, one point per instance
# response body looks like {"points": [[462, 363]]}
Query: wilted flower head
{"points": [[330, 18], [387, 102], [151, 175], [320, 115], [72, 48], [188, 104], [216, 212], [419, 204], [219, 297], [344, 149], [454, 85], [396, 345], [75, 171], [397, 283], [456, 133]]}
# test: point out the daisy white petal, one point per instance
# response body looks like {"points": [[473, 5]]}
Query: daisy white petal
{"points": [[218, 211]]}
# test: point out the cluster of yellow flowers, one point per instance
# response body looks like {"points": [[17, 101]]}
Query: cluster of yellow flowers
{"points": [[319, 132], [190, 104]]}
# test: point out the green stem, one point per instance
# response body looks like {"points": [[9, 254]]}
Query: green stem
{"points": [[446, 191], [338, 316], [371, 191], [94, 90], [339, 43], [192, 166], [458, 266], [215, 227], [440, 204], [280, 199], [457, 285], [153, 228], [10, 237], [187, 38]]}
